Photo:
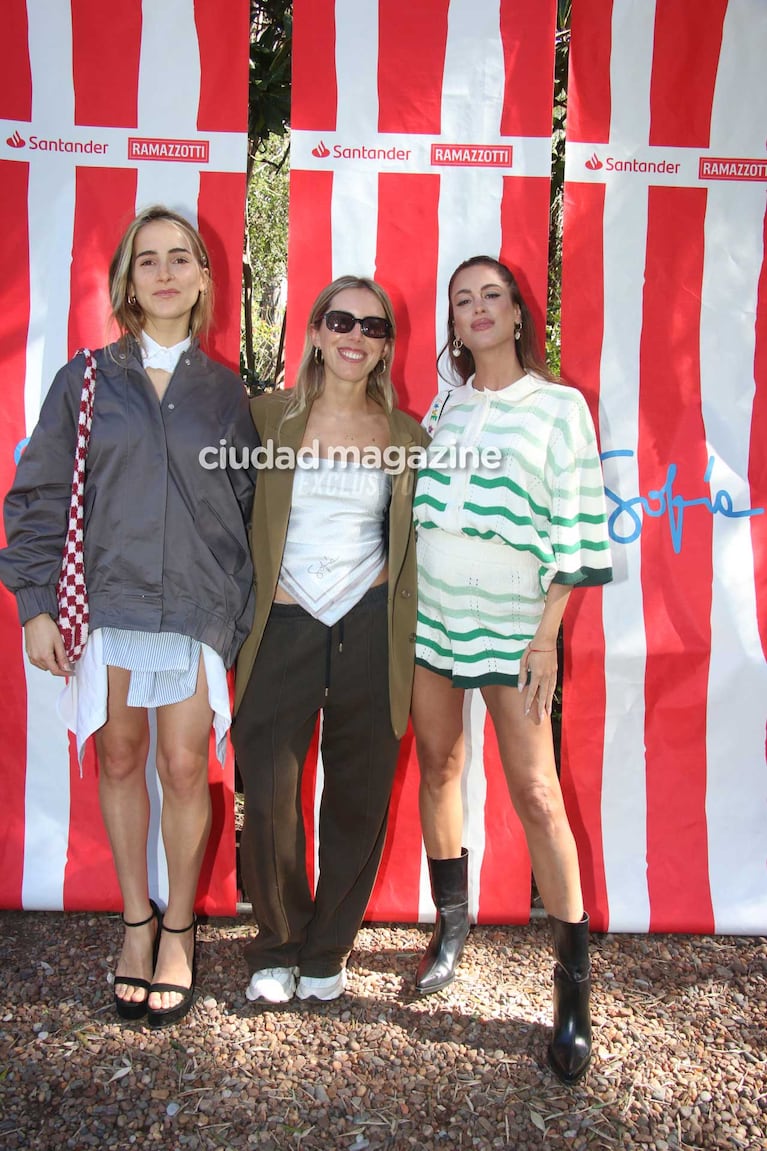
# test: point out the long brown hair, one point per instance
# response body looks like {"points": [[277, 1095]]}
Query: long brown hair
{"points": [[527, 347]]}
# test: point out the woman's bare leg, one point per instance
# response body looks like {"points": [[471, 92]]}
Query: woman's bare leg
{"points": [[122, 745], [527, 753], [183, 733], [437, 713], [438, 723]]}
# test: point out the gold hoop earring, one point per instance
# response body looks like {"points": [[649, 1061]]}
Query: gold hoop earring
{"points": [[318, 355], [457, 348], [132, 301], [381, 365]]}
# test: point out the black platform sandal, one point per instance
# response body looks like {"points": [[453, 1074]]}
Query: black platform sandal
{"points": [[164, 1016], [128, 1008]]}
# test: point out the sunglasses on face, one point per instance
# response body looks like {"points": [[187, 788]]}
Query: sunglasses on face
{"points": [[375, 327]]}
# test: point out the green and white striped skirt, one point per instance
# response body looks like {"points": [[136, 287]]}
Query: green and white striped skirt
{"points": [[479, 606]]}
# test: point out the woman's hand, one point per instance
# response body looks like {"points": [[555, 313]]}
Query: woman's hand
{"points": [[539, 666], [540, 658], [45, 647]]}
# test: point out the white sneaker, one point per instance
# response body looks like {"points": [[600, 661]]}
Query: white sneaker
{"points": [[325, 989], [274, 984]]}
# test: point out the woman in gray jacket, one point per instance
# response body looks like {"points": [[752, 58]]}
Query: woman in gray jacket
{"points": [[168, 574]]}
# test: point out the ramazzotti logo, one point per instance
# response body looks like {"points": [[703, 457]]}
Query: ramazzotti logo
{"points": [[594, 163], [16, 141], [472, 155], [731, 168], [183, 151]]}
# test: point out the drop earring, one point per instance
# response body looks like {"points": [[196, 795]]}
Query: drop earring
{"points": [[518, 330], [457, 348]]}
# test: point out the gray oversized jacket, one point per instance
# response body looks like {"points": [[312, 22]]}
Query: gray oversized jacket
{"points": [[166, 545]]}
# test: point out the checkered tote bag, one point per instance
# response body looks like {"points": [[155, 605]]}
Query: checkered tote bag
{"points": [[70, 590]]}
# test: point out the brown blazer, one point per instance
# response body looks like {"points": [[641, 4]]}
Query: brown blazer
{"points": [[271, 511]]}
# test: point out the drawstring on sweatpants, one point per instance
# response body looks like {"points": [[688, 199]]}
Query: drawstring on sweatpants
{"points": [[328, 652]]}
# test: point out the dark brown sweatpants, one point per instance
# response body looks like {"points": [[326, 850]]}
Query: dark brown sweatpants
{"points": [[304, 667]]}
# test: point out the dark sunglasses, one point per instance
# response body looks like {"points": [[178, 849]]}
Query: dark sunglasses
{"points": [[376, 327]]}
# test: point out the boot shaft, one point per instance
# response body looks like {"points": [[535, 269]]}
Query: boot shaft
{"points": [[571, 946], [450, 881], [450, 892], [570, 1047]]}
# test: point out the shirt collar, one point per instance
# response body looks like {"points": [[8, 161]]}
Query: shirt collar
{"points": [[512, 393], [154, 355]]}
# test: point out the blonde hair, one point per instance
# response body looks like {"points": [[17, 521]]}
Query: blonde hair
{"points": [[128, 316], [310, 378]]}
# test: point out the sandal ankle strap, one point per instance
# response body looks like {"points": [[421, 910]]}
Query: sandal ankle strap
{"points": [[180, 930], [154, 914]]}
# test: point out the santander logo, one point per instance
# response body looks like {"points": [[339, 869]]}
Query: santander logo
{"points": [[41, 144], [359, 152], [632, 164]]}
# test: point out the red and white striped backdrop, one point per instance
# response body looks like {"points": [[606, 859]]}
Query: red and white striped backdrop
{"points": [[664, 307], [418, 86], [81, 80], [664, 326]]}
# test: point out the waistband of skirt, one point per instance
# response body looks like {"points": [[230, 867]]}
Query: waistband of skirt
{"points": [[453, 546]]}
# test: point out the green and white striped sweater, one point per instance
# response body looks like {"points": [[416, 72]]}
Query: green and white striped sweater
{"points": [[546, 494]]}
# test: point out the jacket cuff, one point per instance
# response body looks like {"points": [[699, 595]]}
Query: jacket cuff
{"points": [[32, 601]]}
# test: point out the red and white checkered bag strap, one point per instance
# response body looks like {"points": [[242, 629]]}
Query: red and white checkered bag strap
{"points": [[71, 592]]}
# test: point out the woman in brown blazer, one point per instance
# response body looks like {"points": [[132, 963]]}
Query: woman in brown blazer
{"points": [[334, 558]]}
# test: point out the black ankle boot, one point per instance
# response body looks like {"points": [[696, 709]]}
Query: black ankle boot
{"points": [[570, 1048], [450, 892]]}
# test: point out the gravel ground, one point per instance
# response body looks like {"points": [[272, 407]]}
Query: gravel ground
{"points": [[680, 1048]]}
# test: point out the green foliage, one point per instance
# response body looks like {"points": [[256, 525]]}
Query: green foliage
{"points": [[266, 231], [266, 342], [266, 243], [271, 37], [267, 220]]}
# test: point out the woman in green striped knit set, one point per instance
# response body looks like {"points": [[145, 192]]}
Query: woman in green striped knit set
{"points": [[510, 515]]}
